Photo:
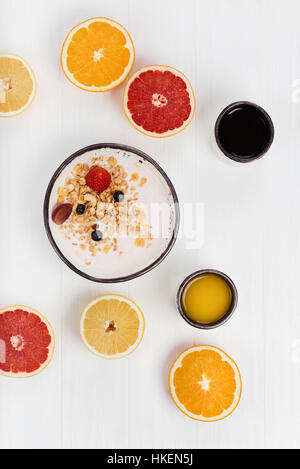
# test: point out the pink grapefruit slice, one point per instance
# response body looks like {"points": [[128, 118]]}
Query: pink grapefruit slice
{"points": [[159, 101], [26, 342]]}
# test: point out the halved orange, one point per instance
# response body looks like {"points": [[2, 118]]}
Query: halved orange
{"points": [[205, 383], [97, 55], [17, 85], [112, 326]]}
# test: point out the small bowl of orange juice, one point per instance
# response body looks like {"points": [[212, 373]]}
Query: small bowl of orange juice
{"points": [[207, 299]]}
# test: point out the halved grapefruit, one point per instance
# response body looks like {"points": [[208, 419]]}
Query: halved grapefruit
{"points": [[26, 342], [159, 101], [205, 383]]}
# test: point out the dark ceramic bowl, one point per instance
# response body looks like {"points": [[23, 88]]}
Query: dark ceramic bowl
{"points": [[142, 157], [261, 114], [223, 319]]}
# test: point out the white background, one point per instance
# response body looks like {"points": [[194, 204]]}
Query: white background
{"points": [[231, 50]]}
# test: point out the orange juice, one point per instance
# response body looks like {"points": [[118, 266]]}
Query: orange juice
{"points": [[206, 298]]}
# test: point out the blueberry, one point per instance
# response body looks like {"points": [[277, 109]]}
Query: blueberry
{"points": [[96, 235], [80, 209], [118, 196]]}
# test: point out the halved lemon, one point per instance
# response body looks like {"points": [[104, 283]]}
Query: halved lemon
{"points": [[205, 383], [112, 326], [17, 85], [97, 55]]}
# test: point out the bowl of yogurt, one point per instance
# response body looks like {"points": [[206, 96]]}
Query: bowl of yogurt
{"points": [[111, 213]]}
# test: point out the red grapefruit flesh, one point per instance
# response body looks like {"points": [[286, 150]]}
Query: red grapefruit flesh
{"points": [[26, 342], [159, 101]]}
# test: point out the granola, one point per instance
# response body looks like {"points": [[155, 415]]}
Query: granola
{"points": [[99, 212]]}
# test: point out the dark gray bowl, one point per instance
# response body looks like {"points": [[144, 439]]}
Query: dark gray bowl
{"points": [[211, 325], [263, 114], [142, 155]]}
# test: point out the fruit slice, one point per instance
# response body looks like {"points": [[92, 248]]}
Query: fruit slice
{"points": [[17, 85], [112, 326], [26, 342], [159, 101], [205, 383], [97, 55]]}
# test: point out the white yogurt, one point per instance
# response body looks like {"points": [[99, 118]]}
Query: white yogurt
{"points": [[154, 196]]}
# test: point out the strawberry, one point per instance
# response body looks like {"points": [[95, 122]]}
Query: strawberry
{"points": [[98, 178]]}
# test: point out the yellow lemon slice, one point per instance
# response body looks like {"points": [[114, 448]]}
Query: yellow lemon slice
{"points": [[17, 85], [112, 326]]}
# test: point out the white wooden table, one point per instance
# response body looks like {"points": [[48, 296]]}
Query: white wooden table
{"points": [[230, 50]]}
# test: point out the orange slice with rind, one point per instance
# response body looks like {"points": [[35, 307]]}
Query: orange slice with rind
{"points": [[112, 326], [159, 101], [97, 54], [17, 85], [205, 383]]}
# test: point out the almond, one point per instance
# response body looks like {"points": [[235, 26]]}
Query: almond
{"points": [[61, 213]]}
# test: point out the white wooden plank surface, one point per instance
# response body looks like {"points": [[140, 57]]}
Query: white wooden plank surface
{"points": [[230, 50]]}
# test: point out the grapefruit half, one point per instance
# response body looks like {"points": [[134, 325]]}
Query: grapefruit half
{"points": [[26, 342], [159, 101]]}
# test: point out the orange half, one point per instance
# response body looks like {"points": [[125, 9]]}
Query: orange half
{"points": [[97, 55], [205, 383], [17, 85]]}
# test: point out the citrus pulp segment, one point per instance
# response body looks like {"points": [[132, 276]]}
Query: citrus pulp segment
{"points": [[159, 101], [26, 342], [97, 55], [17, 85], [112, 326], [205, 383]]}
